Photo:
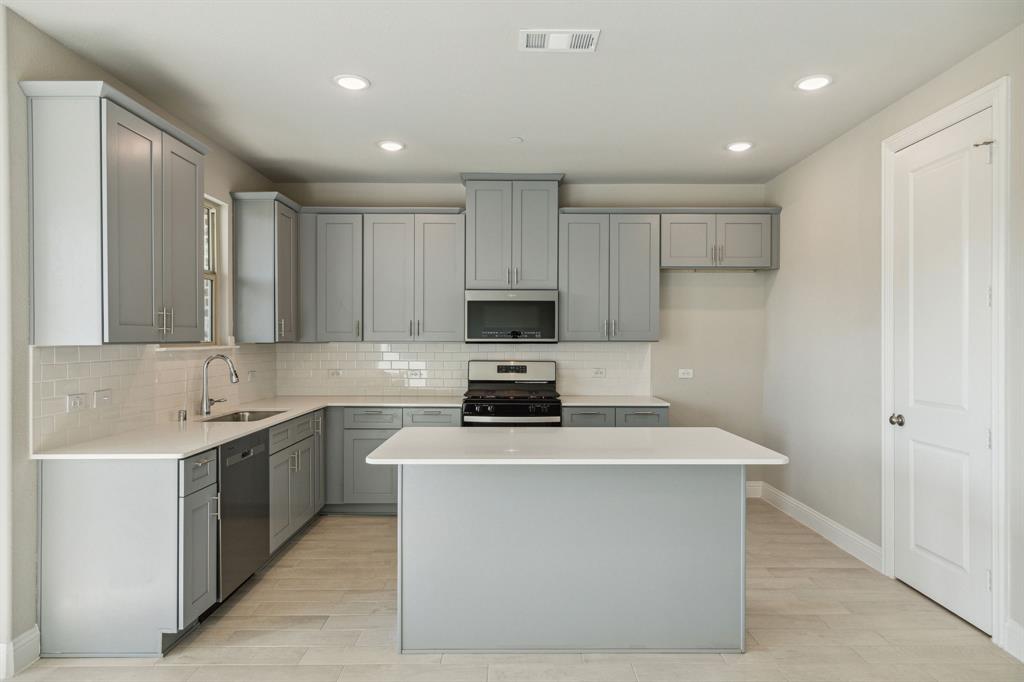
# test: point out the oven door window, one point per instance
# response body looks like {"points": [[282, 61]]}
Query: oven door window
{"points": [[520, 320]]}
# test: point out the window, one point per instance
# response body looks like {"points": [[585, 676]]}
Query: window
{"points": [[209, 272]]}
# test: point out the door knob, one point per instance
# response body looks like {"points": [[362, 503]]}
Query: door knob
{"points": [[897, 420]]}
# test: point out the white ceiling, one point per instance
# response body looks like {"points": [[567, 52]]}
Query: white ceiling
{"points": [[669, 85]]}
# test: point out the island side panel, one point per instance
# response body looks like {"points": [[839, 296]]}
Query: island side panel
{"points": [[580, 557]]}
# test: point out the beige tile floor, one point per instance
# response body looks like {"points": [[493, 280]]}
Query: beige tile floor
{"points": [[325, 611]]}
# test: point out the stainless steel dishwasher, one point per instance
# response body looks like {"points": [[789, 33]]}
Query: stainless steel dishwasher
{"points": [[244, 510]]}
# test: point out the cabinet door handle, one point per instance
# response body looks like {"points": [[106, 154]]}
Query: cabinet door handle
{"points": [[358, 328], [508, 276], [606, 329], [280, 328], [293, 463], [418, 325], [515, 277], [410, 327], [172, 321], [216, 513], [614, 327], [162, 314]]}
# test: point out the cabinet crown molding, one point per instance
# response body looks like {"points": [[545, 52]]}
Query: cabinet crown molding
{"points": [[104, 90]]}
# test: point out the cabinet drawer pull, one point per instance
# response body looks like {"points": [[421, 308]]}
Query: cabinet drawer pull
{"points": [[645, 413], [196, 465], [589, 414], [373, 411], [431, 412]]}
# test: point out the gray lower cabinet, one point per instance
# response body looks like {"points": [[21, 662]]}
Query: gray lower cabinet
{"points": [[128, 553], [609, 278], [197, 555], [588, 416], [432, 416], [292, 490], [511, 234], [116, 200], [266, 267], [366, 483], [614, 416], [720, 240], [641, 416]]}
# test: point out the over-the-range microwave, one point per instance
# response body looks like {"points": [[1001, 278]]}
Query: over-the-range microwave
{"points": [[516, 316]]}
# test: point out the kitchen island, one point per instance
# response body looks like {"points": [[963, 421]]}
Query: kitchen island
{"points": [[548, 539]]}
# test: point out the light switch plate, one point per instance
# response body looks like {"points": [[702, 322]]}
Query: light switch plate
{"points": [[251, 376], [76, 402], [685, 373], [334, 373], [598, 373], [102, 398]]}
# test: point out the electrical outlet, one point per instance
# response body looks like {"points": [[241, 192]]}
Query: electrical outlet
{"points": [[250, 376], [415, 373], [102, 398], [76, 402], [598, 373], [685, 373], [334, 373]]}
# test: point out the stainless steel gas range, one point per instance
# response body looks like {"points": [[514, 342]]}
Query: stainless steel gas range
{"points": [[509, 393]]}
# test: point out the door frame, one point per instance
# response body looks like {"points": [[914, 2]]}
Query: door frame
{"points": [[995, 96]]}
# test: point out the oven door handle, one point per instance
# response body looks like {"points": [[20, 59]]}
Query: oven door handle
{"points": [[512, 420]]}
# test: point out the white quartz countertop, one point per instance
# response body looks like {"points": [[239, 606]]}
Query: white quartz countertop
{"points": [[511, 446], [171, 441]]}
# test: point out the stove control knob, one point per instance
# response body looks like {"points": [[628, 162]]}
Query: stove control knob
{"points": [[533, 409], [490, 408]]}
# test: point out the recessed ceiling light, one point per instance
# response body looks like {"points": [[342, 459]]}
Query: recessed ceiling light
{"points": [[739, 146], [352, 82], [391, 145], [516, 140], [815, 82]]}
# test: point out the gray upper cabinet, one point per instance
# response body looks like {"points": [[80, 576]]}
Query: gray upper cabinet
{"points": [[286, 243], [688, 240], [634, 283], [339, 277], [511, 234], [609, 282], [440, 277], [389, 277], [583, 278], [488, 234], [413, 281], [182, 240], [744, 241], [116, 196], [534, 234], [727, 239], [266, 267], [134, 276]]}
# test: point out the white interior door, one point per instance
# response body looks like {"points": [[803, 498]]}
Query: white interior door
{"points": [[942, 274]]}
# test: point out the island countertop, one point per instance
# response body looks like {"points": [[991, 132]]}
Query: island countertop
{"points": [[538, 445]]}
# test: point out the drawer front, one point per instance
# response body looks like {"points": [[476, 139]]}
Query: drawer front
{"points": [[431, 416], [197, 472], [373, 417], [291, 432], [641, 416], [588, 416]]}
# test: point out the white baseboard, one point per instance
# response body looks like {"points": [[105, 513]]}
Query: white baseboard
{"points": [[836, 533], [1014, 639], [19, 654]]}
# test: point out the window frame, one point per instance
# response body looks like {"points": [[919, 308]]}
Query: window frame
{"points": [[211, 226]]}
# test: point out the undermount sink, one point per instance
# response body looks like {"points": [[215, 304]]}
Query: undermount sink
{"points": [[253, 416]]}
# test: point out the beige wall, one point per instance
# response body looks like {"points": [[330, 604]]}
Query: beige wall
{"points": [[32, 54], [822, 392]]}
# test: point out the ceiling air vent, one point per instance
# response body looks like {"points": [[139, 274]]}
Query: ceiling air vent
{"points": [[558, 40]]}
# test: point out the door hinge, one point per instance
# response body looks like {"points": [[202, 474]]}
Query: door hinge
{"points": [[988, 580], [987, 144], [989, 438], [989, 295]]}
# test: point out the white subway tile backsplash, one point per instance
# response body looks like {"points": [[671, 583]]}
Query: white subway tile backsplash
{"points": [[150, 386]]}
